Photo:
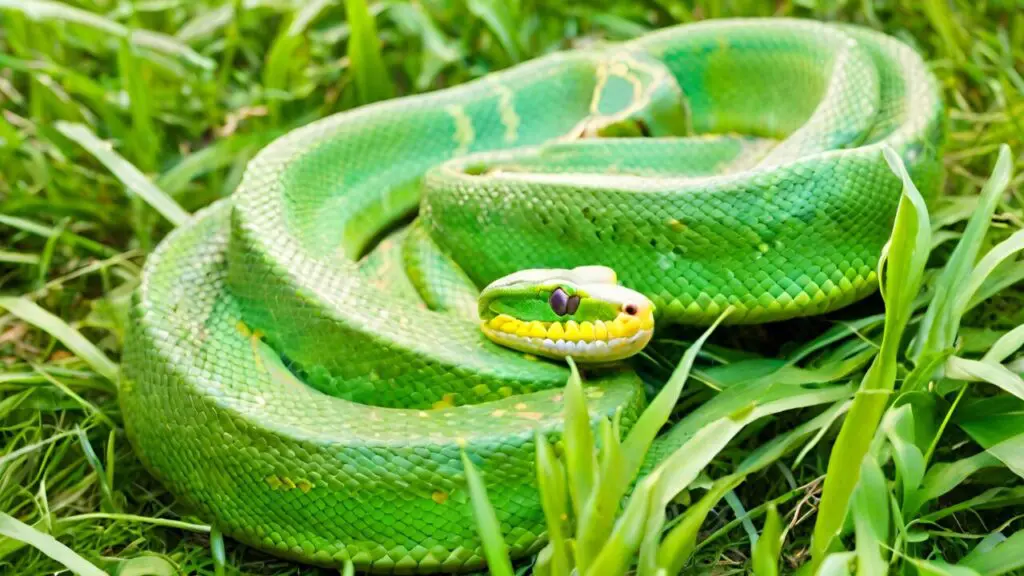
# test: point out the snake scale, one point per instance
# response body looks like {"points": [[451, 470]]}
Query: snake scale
{"points": [[304, 371]]}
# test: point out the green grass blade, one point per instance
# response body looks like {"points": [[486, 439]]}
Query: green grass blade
{"points": [[597, 516], [31, 312], [907, 255], [647, 426], [870, 509], [49, 232], [675, 474], [217, 551], [146, 566], [943, 477], [497, 15], [16, 530], [143, 139], [996, 256], [978, 371], [899, 430], [939, 568], [939, 325], [836, 564], [45, 10], [1006, 557], [677, 546], [551, 480], [580, 460], [765, 557], [1006, 345], [282, 56], [617, 552], [134, 180], [372, 79], [106, 493], [487, 524]]}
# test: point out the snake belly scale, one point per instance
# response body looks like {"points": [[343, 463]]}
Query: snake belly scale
{"points": [[309, 390]]}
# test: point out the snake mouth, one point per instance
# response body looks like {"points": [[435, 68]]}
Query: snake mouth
{"points": [[597, 341]]}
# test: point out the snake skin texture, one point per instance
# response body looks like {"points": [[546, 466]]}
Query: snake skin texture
{"points": [[308, 388]]}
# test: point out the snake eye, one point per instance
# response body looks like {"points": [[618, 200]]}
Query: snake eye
{"points": [[630, 309], [559, 301]]}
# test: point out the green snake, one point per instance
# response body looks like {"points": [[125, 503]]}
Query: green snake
{"points": [[307, 360]]}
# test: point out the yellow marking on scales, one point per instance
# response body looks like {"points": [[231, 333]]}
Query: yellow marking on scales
{"points": [[506, 110], [622, 65], [464, 133], [286, 484]]}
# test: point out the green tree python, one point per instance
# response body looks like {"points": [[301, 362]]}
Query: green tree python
{"points": [[305, 373]]}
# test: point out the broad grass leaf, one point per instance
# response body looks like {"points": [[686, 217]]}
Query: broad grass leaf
{"points": [[990, 499], [986, 545], [621, 545], [836, 564], [901, 273], [653, 418], [554, 500], [580, 458], [837, 333], [439, 51], [939, 568], [487, 525], [372, 79], [938, 328], [992, 260], [945, 476], [499, 16], [217, 551], [767, 396], [146, 566], [17, 530], [681, 540], [284, 62], [597, 516], [870, 510], [899, 430], [31, 312], [1004, 558], [1006, 345], [675, 474], [765, 557], [46, 10], [134, 180], [1006, 275], [980, 371]]}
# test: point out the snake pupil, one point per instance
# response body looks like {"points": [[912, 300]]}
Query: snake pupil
{"points": [[572, 305], [631, 309], [559, 301]]}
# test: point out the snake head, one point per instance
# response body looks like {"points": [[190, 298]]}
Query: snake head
{"points": [[583, 313]]}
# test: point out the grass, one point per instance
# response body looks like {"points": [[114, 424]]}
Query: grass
{"points": [[115, 116]]}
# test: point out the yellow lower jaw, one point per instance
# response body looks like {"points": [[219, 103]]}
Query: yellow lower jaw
{"points": [[624, 326]]}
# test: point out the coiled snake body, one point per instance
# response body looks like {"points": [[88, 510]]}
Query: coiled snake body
{"points": [[312, 400]]}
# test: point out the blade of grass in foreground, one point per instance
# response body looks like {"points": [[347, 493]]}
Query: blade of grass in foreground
{"points": [[134, 180], [1006, 557], [487, 525], [371, 75], [939, 326], [905, 257], [31, 312], [15, 529]]}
